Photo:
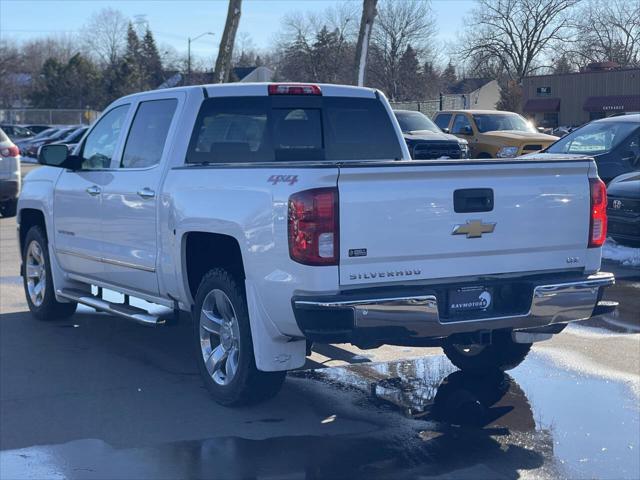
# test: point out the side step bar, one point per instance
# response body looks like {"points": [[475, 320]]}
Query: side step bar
{"points": [[122, 310]]}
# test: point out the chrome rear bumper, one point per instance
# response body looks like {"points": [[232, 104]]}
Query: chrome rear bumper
{"points": [[418, 316]]}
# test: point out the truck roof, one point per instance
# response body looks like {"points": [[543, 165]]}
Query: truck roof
{"points": [[472, 112], [261, 89]]}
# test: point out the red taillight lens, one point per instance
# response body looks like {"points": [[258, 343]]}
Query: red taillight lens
{"points": [[293, 89], [313, 227], [598, 221], [11, 151]]}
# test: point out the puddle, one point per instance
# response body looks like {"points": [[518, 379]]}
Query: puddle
{"points": [[541, 419]]}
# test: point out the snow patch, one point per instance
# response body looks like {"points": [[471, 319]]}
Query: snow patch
{"points": [[627, 256]]}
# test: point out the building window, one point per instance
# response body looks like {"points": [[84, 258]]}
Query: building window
{"points": [[543, 91]]}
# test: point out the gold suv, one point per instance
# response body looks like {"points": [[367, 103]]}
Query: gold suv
{"points": [[492, 133]]}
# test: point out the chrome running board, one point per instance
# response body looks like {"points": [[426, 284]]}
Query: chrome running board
{"points": [[122, 310]]}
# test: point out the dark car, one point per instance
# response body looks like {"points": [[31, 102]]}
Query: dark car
{"points": [[623, 209], [32, 147], [16, 132], [73, 138], [614, 142], [25, 142], [426, 141], [37, 128]]}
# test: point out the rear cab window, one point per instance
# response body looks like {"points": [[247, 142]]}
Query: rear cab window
{"points": [[292, 128]]}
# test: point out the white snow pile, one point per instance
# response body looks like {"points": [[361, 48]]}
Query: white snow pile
{"points": [[627, 256]]}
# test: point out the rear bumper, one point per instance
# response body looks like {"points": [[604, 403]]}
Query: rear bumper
{"points": [[621, 227], [9, 189], [407, 318]]}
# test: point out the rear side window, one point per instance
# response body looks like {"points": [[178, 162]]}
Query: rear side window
{"points": [[148, 133], [443, 120], [264, 129]]}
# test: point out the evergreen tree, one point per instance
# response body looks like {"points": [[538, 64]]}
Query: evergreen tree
{"points": [[410, 77], [448, 77], [152, 71], [562, 65]]}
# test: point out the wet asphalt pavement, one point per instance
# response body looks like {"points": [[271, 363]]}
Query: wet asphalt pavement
{"points": [[98, 397]]}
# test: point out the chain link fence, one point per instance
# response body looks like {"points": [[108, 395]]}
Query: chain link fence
{"points": [[48, 116], [430, 107]]}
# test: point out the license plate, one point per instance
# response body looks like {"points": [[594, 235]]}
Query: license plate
{"points": [[470, 299]]}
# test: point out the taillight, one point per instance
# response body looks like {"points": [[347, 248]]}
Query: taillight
{"points": [[294, 89], [313, 227], [11, 151], [598, 221]]}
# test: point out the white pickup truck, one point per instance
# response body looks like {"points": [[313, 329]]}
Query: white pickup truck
{"points": [[284, 214]]}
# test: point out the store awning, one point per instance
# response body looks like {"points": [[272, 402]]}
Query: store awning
{"points": [[542, 105], [613, 103]]}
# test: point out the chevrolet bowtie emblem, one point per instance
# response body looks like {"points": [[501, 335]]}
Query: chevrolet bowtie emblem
{"points": [[473, 228]]}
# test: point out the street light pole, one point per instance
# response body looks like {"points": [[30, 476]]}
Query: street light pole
{"points": [[189, 40]]}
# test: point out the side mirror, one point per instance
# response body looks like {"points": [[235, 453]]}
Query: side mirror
{"points": [[467, 130], [446, 130], [540, 129], [58, 156]]}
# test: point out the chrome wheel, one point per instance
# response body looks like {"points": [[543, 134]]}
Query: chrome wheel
{"points": [[470, 350], [36, 273], [219, 337]]}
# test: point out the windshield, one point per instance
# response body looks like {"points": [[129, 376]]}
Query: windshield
{"points": [[45, 133], [594, 138], [490, 122], [415, 122]]}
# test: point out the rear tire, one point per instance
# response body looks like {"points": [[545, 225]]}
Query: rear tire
{"points": [[223, 344], [503, 354], [38, 281], [9, 208]]}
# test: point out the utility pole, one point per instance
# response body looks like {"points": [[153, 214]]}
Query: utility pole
{"points": [[362, 47], [189, 40], [222, 71]]}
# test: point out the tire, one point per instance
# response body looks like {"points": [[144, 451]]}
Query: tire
{"points": [[503, 354], [9, 208], [221, 331], [37, 271]]}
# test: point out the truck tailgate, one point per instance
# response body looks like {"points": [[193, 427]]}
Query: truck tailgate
{"points": [[397, 222]]}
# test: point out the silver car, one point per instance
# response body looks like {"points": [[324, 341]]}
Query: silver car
{"points": [[9, 176]]}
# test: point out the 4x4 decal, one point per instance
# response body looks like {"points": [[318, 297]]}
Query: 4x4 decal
{"points": [[290, 179]]}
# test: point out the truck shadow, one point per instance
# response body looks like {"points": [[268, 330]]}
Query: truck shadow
{"points": [[111, 397]]}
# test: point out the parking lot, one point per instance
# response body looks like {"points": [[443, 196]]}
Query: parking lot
{"points": [[98, 397]]}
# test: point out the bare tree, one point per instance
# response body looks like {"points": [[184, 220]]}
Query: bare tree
{"points": [[515, 34], [399, 25], [106, 35], [364, 36], [608, 31], [222, 71]]}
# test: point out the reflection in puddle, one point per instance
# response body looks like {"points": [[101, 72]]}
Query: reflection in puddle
{"points": [[428, 420]]}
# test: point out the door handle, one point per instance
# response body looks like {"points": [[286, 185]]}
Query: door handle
{"points": [[146, 193], [94, 190]]}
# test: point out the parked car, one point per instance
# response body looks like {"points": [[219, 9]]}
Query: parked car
{"points": [[282, 214], [24, 143], [32, 147], [492, 133], [71, 139], [426, 141], [37, 128], [16, 132], [623, 209], [614, 142], [9, 176]]}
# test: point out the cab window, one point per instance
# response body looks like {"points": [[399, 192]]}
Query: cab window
{"points": [[148, 133], [443, 120], [461, 125], [102, 141]]}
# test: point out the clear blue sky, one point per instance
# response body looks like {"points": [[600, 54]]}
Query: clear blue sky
{"points": [[172, 22]]}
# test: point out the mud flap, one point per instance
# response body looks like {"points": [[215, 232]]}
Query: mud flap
{"points": [[273, 351]]}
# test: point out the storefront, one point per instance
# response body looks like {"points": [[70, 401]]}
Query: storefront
{"points": [[576, 98]]}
